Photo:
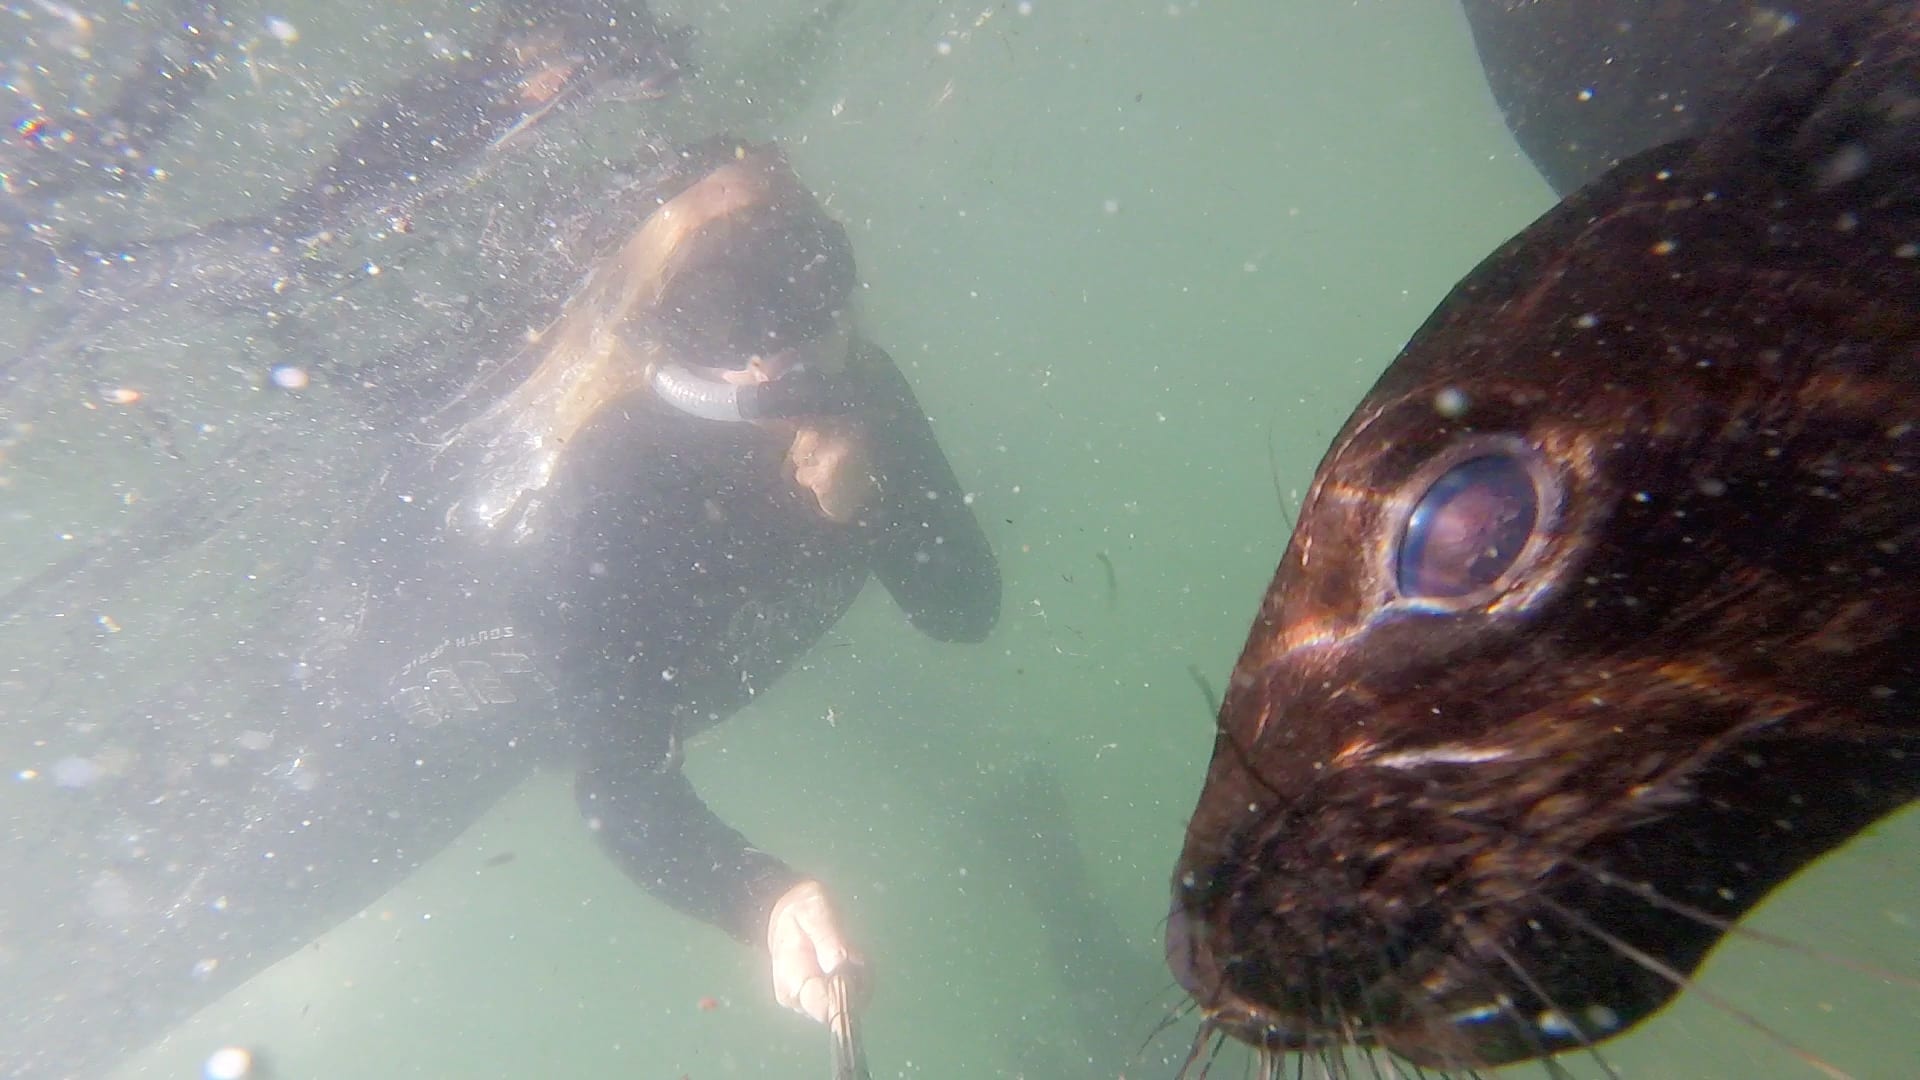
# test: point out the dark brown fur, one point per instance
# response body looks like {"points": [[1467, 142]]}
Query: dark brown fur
{"points": [[1479, 831]]}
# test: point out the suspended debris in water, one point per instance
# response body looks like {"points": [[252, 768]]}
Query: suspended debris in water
{"points": [[1206, 689], [1113, 579]]}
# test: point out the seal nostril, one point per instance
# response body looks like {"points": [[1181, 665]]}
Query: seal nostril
{"points": [[1468, 529]]}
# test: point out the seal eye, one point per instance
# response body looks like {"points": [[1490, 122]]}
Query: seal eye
{"points": [[1468, 529]]}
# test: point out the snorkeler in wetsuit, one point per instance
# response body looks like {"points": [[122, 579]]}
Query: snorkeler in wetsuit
{"points": [[684, 491], [582, 573]]}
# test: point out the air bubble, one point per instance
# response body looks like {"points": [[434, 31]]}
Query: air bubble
{"points": [[228, 1063]]}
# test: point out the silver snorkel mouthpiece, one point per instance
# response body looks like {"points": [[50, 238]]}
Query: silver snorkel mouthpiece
{"points": [[807, 380]]}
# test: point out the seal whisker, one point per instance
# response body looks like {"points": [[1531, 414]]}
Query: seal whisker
{"points": [[1385, 963], [1653, 897], [1273, 473], [1213, 1058], [1198, 1054], [1173, 1016], [1193, 1053], [1526, 977], [1325, 1005], [1666, 971], [1373, 1060]]}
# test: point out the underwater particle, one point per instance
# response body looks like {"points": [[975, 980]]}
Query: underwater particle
{"points": [[289, 376], [1602, 1019], [709, 1003], [1111, 206], [943, 47], [282, 30], [1451, 402], [120, 395], [1850, 162], [228, 1063]]}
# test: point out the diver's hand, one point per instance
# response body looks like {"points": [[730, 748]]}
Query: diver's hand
{"points": [[829, 457], [806, 945]]}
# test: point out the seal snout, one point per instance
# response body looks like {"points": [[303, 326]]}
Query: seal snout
{"points": [[1180, 951]]}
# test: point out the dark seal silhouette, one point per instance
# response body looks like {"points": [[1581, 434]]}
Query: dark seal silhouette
{"points": [[1602, 618], [1584, 85]]}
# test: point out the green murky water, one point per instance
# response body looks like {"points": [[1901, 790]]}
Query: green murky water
{"points": [[1139, 261]]}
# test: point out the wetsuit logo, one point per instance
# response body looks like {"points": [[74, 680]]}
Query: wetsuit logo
{"points": [[441, 686]]}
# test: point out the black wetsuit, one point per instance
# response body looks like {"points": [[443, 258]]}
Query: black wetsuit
{"points": [[670, 572]]}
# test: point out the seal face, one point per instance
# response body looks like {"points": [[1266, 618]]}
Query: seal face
{"points": [[1602, 617]]}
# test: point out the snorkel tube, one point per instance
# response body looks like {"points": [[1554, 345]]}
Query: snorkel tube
{"points": [[799, 393]]}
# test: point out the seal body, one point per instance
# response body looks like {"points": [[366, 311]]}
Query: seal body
{"points": [[1585, 85], [1602, 617]]}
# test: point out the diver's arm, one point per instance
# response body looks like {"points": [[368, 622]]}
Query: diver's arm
{"points": [[648, 817], [646, 814], [928, 550]]}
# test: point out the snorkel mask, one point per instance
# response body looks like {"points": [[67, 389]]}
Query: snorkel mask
{"points": [[751, 318], [728, 303]]}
